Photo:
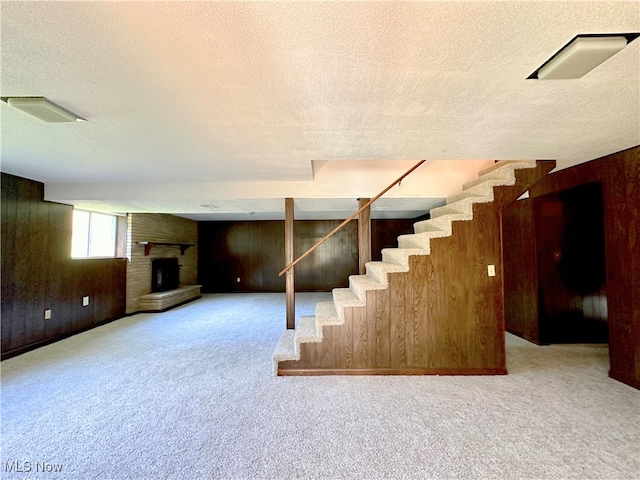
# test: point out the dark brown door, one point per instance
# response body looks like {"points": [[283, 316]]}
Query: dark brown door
{"points": [[571, 266]]}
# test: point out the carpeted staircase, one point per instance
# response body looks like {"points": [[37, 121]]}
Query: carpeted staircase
{"points": [[430, 307]]}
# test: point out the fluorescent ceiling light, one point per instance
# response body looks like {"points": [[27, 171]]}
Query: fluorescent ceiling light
{"points": [[581, 55], [43, 109]]}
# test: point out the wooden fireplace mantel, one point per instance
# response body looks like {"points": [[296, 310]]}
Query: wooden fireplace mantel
{"points": [[149, 245]]}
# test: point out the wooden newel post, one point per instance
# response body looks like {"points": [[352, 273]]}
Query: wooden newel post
{"points": [[289, 256], [364, 235]]}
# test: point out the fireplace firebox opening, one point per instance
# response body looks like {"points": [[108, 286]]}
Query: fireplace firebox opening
{"points": [[165, 274]]}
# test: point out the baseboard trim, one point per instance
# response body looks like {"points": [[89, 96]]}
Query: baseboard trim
{"points": [[528, 338], [632, 382], [49, 341], [284, 372]]}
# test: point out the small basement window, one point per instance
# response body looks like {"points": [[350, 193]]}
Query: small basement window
{"points": [[94, 235]]}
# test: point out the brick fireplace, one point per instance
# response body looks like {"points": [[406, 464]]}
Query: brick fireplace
{"points": [[154, 227]]}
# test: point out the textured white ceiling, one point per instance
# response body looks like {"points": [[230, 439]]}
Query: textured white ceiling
{"points": [[240, 92]]}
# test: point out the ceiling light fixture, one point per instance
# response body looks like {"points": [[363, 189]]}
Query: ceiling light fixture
{"points": [[43, 109], [581, 55]]}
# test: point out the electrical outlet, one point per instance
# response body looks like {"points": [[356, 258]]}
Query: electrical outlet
{"points": [[85, 301], [238, 279], [47, 314], [491, 270]]}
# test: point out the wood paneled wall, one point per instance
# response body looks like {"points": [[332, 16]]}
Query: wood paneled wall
{"points": [[38, 272], [520, 270], [555, 267], [254, 252], [330, 265], [250, 251], [619, 175], [385, 233]]}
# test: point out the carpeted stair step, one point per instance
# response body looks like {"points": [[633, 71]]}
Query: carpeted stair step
{"points": [[286, 348], [361, 284], [326, 314], [479, 194], [464, 206], [503, 172], [460, 206], [380, 270], [420, 240], [502, 163], [307, 330], [442, 223], [343, 298], [400, 256]]}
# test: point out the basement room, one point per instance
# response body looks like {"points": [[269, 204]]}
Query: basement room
{"points": [[320, 240]]}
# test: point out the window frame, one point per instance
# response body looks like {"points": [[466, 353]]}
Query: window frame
{"points": [[117, 241]]}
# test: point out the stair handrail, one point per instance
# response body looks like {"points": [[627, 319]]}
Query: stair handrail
{"points": [[365, 206]]}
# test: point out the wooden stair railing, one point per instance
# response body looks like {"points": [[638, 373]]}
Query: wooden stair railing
{"points": [[360, 210]]}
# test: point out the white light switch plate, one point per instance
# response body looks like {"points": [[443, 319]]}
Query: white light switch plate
{"points": [[491, 270], [47, 314], [85, 301]]}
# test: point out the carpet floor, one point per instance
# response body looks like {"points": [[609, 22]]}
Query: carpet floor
{"points": [[190, 394]]}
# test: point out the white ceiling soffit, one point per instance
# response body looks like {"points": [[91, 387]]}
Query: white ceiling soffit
{"points": [[270, 209], [358, 178], [238, 93], [425, 188]]}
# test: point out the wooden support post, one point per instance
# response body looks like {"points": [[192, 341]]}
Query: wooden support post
{"points": [[364, 236], [289, 256]]}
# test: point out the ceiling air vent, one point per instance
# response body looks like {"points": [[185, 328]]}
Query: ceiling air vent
{"points": [[42, 109]]}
